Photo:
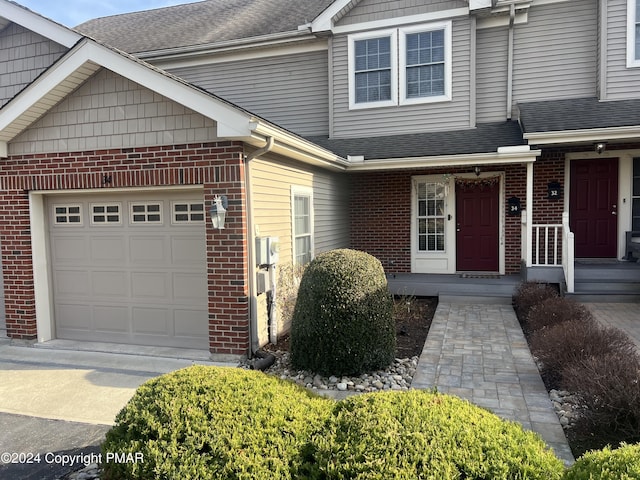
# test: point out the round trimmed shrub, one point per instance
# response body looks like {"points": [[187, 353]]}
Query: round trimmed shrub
{"points": [[555, 310], [606, 464], [342, 322], [419, 434], [214, 423]]}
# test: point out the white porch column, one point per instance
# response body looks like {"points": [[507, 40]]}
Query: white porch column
{"points": [[529, 214]]}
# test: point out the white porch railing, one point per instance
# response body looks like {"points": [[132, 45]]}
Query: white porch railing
{"points": [[568, 253], [550, 245], [546, 245]]}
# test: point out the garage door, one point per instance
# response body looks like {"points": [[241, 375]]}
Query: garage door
{"points": [[130, 268]]}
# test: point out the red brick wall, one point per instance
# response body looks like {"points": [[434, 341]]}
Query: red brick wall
{"points": [[381, 214], [217, 166]]}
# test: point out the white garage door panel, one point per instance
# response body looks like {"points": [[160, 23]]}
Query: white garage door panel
{"points": [[140, 282]]}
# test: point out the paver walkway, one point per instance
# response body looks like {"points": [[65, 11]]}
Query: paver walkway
{"points": [[625, 316], [479, 353]]}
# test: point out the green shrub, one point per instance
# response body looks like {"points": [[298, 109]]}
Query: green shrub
{"points": [[606, 464], [555, 310], [529, 294], [342, 322], [418, 434], [214, 423]]}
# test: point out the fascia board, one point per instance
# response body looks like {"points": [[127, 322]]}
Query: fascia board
{"points": [[324, 21], [585, 135], [231, 121], [399, 21], [497, 158], [41, 25]]}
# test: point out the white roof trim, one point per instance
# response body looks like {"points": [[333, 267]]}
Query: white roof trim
{"points": [[39, 24], [324, 21], [501, 157], [585, 135], [400, 21]]}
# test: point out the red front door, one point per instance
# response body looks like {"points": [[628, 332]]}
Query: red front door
{"points": [[477, 213], [593, 207]]}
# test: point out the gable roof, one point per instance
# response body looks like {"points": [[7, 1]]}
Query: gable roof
{"points": [[14, 13], [202, 23]]}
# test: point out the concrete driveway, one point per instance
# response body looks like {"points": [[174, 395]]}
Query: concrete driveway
{"points": [[56, 401]]}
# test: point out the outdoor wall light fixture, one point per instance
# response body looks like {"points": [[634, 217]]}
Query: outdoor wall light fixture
{"points": [[600, 147], [218, 211], [477, 171]]}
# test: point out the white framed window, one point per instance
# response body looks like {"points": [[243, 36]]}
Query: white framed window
{"points": [[373, 69], [67, 214], [145, 212], [187, 212], [430, 216], [633, 33], [401, 66], [106, 213], [302, 224], [425, 64]]}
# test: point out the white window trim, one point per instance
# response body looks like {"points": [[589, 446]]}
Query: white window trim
{"points": [[67, 206], [632, 61], [188, 212], [146, 213], [393, 35], [105, 223], [297, 190], [399, 65], [446, 26]]}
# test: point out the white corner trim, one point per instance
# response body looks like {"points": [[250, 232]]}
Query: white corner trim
{"points": [[39, 24], [633, 57], [4, 150], [41, 287]]}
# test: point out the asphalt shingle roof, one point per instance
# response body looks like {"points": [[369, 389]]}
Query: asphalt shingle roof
{"points": [[578, 114], [485, 138], [201, 23]]}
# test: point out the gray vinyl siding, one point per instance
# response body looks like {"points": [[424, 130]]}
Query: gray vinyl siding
{"points": [[621, 82], [491, 75], [110, 111], [451, 115], [23, 56], [291, 91], [555, 53], [371, 10]]}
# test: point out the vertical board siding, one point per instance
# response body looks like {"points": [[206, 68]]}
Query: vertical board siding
{"points": [[371, 10], [491, 75], [555, 53], [292, 91], [110, 111], [23, 56], [441, 116], [621, 82]]}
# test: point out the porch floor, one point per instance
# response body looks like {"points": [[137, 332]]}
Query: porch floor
{"points": [[472, 285]]}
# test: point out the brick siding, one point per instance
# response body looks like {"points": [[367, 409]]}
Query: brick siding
{"points": [[218, 167]]}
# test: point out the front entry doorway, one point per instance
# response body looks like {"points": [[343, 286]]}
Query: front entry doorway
{"points": [[477, 226], [593, 207]]}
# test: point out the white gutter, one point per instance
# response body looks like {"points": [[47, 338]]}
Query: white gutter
{"points": [[585, 135], [504, 155]]}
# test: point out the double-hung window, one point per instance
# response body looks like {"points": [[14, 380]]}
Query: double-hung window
{"points": [[633, 33], [302, 222], [400, 66]]}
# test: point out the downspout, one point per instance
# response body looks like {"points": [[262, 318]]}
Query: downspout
{"points": [[512, 18], [253, 320]]}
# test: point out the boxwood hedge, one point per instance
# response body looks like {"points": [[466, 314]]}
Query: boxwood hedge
{"points": [[214, 423], [342, 322], [606, 464]]}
